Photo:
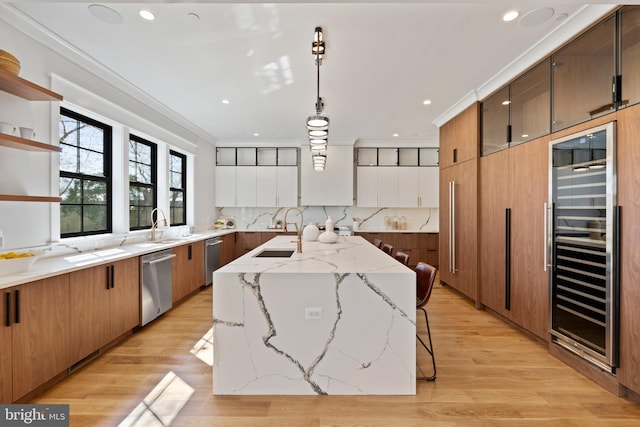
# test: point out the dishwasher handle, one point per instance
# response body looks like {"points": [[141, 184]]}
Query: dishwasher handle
{"points": [[156, 261], [216, 243]]}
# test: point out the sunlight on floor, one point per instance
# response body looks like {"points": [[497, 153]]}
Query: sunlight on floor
{"points": [[203, 349], [162, 404]]}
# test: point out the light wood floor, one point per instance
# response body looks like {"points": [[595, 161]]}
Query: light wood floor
{"points": [[488, 375]]}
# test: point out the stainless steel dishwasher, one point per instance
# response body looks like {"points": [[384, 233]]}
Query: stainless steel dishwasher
{"points": [[156, 289], [212, 258]]}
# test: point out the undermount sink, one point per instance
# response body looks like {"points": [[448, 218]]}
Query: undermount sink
{"points": [[275, 253]]}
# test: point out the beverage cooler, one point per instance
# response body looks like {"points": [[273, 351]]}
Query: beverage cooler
{"points": [[583, 250]]}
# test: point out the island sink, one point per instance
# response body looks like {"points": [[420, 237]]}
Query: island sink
{"points": [[275, 253]]}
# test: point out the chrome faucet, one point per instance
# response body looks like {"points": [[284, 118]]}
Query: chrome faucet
{"points": [[298, 229], [154, 227]]}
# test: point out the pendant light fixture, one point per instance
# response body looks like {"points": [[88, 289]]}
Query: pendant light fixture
{"points": [[318, 124]]}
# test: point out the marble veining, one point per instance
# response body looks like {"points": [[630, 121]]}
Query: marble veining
{"points": [[362, 343]]}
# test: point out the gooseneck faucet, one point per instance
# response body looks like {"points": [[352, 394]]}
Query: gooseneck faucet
{"points": [[154, 227], [298, 229]]}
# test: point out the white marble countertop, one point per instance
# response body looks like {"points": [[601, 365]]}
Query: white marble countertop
{"points": [[46, 267], [350, 254]]}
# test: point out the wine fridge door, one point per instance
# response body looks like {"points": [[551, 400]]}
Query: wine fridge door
{"points": [[582, 193]]}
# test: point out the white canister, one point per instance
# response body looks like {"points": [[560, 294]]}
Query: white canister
{"points": [[310, 233]]}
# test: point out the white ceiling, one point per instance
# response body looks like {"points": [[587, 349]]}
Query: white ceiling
{"points": [[383, 59]]}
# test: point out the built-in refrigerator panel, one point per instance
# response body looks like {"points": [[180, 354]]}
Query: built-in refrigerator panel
{"points": [[583, 237]]}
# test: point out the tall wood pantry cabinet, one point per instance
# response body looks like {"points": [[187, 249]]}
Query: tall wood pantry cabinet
{"points": [[513, 280], [458, 202]]}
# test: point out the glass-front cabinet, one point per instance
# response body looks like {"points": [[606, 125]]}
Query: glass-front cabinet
{"points": [[495, 122], [518, 112], [630, 55], [530, 106], [583, 77]]}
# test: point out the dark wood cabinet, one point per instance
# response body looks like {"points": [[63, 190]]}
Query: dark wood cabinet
{"points": [[40, 335], [188, 269], [459, 227], [628, 130], [227, 248], [459, 138], [512, 277], [419, 246], [105, 305], [495, 199]]}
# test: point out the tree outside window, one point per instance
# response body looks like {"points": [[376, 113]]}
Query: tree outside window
{"points": [[142, 182], [177, 188], [85, 175]]}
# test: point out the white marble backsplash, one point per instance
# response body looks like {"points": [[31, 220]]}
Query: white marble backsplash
{"points": [[369, 219]]}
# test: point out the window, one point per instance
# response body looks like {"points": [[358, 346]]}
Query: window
{"points": [[85, 175], [177, 188], [142, 182]]}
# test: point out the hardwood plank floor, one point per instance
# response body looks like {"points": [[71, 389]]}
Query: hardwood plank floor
{"points": [[488, 375]]}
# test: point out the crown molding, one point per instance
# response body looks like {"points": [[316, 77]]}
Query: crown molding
{"points": [[583, 18], [13, 17]]}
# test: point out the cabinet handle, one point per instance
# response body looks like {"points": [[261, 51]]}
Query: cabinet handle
{"points": [[507, 259], [108, 277], [617, 233], [545, 241], [7, 306], [113, 277], [189, 255], [452, 226], [17, 306]]}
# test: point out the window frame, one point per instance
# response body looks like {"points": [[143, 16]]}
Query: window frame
{"points": [[183, 189], [107, 171], [137, 184]]}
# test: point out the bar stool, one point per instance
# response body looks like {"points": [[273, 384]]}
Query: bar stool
{"points": [[402, 257], [377, 243], [387, 248], [425, 278]]}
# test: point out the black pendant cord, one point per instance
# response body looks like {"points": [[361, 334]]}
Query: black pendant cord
{"points": [[318, 101]]}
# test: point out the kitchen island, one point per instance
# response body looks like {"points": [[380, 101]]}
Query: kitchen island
{"points": [[335, 319]]}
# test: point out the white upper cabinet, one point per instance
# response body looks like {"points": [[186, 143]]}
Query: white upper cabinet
{"points": [[397, 177], [334, 185], [277, 186], [256, 177]]}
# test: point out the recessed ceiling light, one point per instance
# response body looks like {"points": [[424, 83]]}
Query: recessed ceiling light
{"points": [[427, 102], [226, 101], [256, 134], [395, 134], [510, 16], [147, 14]]}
